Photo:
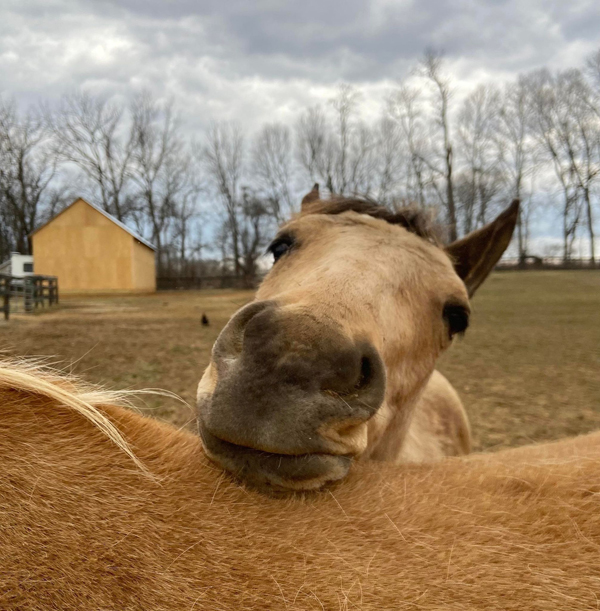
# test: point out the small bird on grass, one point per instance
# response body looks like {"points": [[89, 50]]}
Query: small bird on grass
{"points": [[205, 321]]}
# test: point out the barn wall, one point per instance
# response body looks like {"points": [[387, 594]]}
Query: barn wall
{"points": [[144, 267], [86, 250]]}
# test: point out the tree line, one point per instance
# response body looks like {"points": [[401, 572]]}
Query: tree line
{"points": [[536, 138]]}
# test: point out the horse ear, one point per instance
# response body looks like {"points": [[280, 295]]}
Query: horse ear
{"points": [[310, 197], [475, 255]]}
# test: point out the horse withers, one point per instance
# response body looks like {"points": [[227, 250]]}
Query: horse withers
{"points": [[103, 508]]}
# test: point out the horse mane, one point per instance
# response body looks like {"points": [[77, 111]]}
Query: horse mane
{"points": [[411, 218], [32, 377]]}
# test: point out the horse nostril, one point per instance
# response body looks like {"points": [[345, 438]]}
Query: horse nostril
{"points": [[369, 388], [366, 373], [365, 377], [230, 341]]}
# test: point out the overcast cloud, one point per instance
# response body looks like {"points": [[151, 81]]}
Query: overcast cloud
{"points": [[263, 60]]}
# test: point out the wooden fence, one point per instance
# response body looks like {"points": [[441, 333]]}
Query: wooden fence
{"points": [[535, 262], [5, 295], [27, 293], [188, 283]]}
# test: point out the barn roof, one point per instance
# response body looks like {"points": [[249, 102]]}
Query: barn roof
{"points": [[110, 217]]}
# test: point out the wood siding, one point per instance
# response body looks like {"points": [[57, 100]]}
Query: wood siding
{"points": [[144, 268], [90, 253]]}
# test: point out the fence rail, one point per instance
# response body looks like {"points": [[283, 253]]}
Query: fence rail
{"points": [[187, 283], [27, 293], [534, 262]]}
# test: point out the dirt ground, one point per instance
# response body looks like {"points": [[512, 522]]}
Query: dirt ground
{"points": [[528, 369]]}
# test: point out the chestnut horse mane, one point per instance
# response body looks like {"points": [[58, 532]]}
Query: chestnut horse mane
{"points": [[411, 218], [33, 377]]}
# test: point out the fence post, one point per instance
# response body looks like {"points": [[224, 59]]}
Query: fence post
{"points": [[27, 294], [5, 286]]}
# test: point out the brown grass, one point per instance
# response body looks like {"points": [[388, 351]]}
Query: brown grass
{"points": [[131, 341], [527, 369]]}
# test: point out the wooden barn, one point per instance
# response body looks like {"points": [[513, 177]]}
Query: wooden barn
{"points": [[91, 251]]}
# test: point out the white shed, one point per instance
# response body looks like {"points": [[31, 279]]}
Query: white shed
{"points": [[18, 265]]}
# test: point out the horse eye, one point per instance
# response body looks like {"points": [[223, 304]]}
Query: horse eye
{"points": [[280, 246], [457, 319]]}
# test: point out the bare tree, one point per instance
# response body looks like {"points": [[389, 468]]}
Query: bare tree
{"points": [[583, 146], [27, 171], [90, 133], [336, 149], [593, 70], [185, 210], [222, 157], [222, 242], [517, 152], [389, 157], [405, 107], [138, 164], [272, 168], [481, 179], [432, 67], [344, 104], [554, 129], [362, 162], [255, 219], [313, 143], [568, 123], [161, 170]]}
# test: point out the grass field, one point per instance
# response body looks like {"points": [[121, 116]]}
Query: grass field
{"points": [[527, 370]]}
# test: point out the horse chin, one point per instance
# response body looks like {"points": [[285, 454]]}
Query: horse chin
{"points": [[273, 473]]}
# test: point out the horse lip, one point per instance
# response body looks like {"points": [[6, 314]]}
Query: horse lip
{"points": [[235, 446], [275, 472], [345, 436]]}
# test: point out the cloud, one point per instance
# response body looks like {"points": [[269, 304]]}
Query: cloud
{"points": [[265, 60]]}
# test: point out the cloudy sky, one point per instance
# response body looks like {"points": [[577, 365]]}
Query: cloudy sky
{"points": [[264, 60], [257, 60]]}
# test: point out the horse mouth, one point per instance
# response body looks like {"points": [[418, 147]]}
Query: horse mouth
{"points": [[274, 473]]}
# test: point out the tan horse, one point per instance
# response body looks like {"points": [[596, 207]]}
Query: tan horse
{"points": [[83, 529], [333, 357]]}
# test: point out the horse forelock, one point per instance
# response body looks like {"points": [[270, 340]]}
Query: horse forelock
{"points": [[413, 219]]}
